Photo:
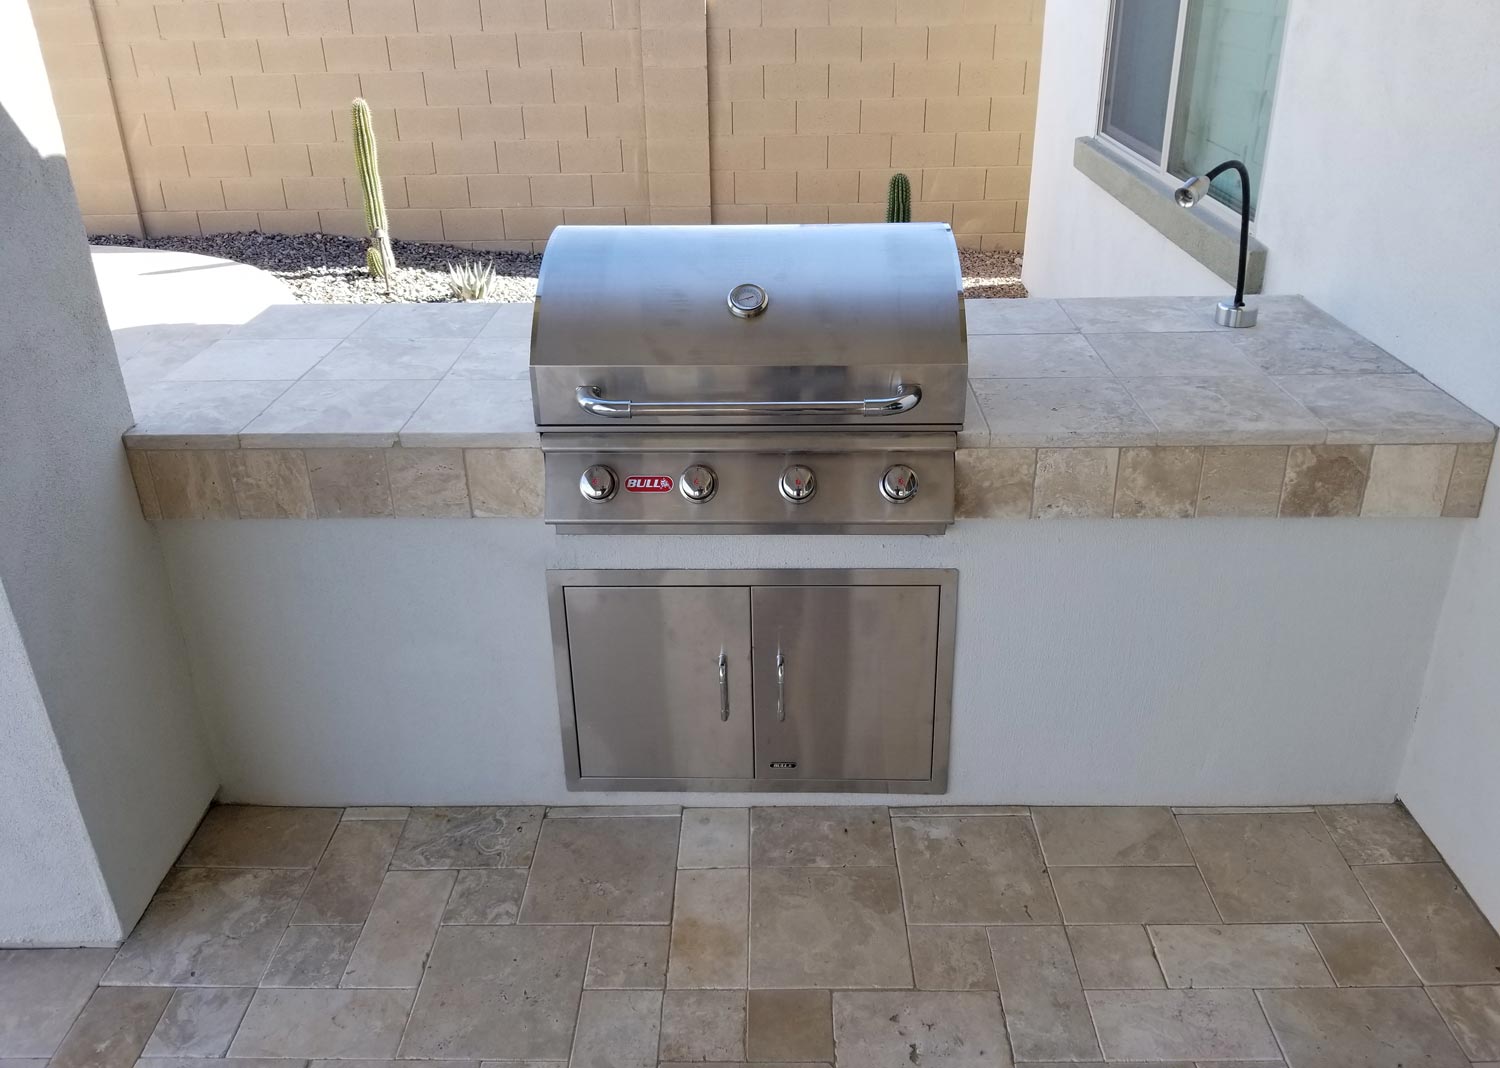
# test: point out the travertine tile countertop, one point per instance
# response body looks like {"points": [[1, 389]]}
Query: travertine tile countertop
{"points": [[1078, 408]]}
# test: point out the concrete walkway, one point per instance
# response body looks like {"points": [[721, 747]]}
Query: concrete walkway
{"points": [[166, 307]]}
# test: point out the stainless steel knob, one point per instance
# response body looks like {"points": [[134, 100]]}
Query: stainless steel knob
{"points": [[798, 484], [697, 482], [899, 483], [597, 483]]}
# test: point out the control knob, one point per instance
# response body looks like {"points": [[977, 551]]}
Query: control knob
{"points": [[597, 483], [697, 482], [798, 484], [898, 484]]}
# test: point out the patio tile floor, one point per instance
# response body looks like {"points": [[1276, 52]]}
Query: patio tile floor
{"points": [[843, 936]]}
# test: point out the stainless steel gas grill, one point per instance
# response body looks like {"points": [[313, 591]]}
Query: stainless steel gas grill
{"points": [[749, 379]]}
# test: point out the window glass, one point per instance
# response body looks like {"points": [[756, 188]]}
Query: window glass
{"points": [[1143, 42], [1230, 53]]}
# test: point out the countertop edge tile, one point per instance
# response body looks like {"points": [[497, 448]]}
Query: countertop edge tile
{"points": [[148, 442], [499, 439], [384, 439]]}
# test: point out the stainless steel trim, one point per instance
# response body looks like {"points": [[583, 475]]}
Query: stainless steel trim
{"points": [[945, 579], [785, 441], [723, 686], [555, 402], [591, 400], [748, 468], [780, 686]]}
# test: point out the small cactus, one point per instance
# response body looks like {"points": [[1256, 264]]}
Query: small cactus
{"points": [[898, 199], [471, 281], [379, 256]]}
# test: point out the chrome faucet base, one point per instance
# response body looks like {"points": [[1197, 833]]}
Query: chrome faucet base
{"points": [[1228, 314]]}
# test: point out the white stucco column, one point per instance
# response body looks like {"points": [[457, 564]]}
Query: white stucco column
{"points": [[103, 771]]}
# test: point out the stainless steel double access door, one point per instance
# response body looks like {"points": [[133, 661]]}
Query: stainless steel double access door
{"points": [[804, 680]]}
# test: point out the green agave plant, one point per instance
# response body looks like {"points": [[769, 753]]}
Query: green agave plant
{"points": [[471, 281]]}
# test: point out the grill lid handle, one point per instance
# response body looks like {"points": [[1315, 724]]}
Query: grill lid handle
{"points": [[903, 400]]}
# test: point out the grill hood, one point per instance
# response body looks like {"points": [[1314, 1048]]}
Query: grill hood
{"points": [[750, 326]]}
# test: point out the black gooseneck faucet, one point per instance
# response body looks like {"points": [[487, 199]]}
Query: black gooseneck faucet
{"points": [[1187, 195]]}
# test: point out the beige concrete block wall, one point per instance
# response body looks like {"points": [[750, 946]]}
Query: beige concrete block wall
{"points": [[500, 119]]}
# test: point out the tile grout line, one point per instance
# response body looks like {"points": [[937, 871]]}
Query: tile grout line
{"points": [[1197, 867]]}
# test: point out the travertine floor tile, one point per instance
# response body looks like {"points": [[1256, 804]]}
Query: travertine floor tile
{"points": [[312, 956], [1028, 315], [306, 320], [1115, 957], [376, 812], [617, 1029], [789, 1025], [951, 958], [1362, 954], [1133, 895], [591, 812], [112, 1028], [972, 870], [820, 837], [468, 838], [500, 993], [41, 992], [628, 958], [1150, 1064], [199, 1022], [1473, 1015], [962, 810], [491, 895], [703, 1025], [1181, 1025], [392, 949], [935, 1030], [1110, 836], [1394, 1028], [209, 927], [1277, 868], [252, 836], [714, 838], [323, 1023], [827, 927], [1438, 928], [344, 885], [603, 871], [710, 929], [1377, 834], [1033, 356], [1045, 1011], [1241, 955]]}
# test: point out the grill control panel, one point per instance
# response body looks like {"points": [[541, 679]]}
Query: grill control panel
{"points": [[596, 484]]}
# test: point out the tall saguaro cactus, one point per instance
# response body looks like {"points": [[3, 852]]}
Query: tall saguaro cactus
{"points": [[379, 256], [898, 199]]}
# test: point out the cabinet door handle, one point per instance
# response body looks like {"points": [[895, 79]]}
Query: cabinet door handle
{"points": [[780, 686], [723, 687]]}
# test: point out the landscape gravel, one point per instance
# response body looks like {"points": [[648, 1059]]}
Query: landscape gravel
{"points": [[329, 269]]}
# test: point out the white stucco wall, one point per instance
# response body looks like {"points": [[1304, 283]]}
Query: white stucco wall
{"points": [[51, 889], [93, 666], [1130, 661], [1376, 206]]}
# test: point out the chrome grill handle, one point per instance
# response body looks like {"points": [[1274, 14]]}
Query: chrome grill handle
{"points": [[780, 686], [591, 400], [723, 687]]}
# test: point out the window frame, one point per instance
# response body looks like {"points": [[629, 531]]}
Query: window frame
{"points": [[1163, 170]]}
